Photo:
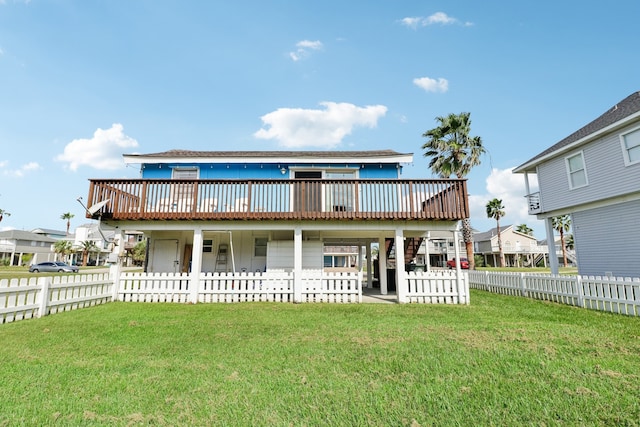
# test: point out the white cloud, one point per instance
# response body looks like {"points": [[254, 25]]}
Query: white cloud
{"points": [[438, 18], [303, 48], [297, 127], [20, 172], [103, 151], [411, 22], [503, 184], [432, 85]]}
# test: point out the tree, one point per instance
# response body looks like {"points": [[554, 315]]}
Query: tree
{"points": [[561, 224], [139, 252], [569, 242], [88, 246], [3, 213], [524, 229], [454, 152], [68, 217], [63, 247], [495, 210]]}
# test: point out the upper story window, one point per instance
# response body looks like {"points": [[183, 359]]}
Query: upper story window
{"points": [[576, 170], [631, 147]]}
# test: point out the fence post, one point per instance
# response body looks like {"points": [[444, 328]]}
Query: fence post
{"points": [[114, 275], [45, 283], [523, 286], [580, 291]]}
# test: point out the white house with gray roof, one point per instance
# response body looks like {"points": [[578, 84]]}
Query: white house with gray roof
{"points": [[16, 244], [593, 175]]}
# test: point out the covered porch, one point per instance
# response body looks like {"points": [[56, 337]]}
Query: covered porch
{"points": [[290, 262]]}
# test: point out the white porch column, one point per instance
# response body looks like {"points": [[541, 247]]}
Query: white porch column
{"points": [[382, 265], [427, 256], [551, 244], [196, 265], [297, 265], [117, 248], [369, 266], [401, 284]]}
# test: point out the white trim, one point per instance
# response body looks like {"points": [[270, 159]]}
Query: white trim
{"points": [[625, 150], [569, 171]]}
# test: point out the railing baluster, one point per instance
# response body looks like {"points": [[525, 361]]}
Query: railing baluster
{"points": [[273, 199]]}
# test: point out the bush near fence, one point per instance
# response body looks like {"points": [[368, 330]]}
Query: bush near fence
{"points": [[612, 294]]}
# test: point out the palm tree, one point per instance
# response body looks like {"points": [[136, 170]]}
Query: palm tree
{"points": [[68, 217], [569, 242], [88, 246], [63, 247], [524, 229], [3, 213], [561, 224], [454, 152], [495, 210]]}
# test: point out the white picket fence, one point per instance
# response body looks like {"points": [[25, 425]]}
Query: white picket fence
{"points": [[38, 296], [613, 294], [437, 287], [317, 286]]}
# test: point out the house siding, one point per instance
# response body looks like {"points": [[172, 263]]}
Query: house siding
{"points": [[266, 170], [601, 157], [607, 239]]}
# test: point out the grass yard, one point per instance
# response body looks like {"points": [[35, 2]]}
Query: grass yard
{"points": [[500, 361]]}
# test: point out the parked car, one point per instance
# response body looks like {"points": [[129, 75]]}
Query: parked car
{"points": [[56, 267], [464, 263]]}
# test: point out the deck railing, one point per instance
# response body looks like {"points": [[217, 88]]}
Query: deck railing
{"points": [[443, 199]]}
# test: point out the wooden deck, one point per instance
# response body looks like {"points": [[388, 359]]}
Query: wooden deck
{"points": [[313, 199]]}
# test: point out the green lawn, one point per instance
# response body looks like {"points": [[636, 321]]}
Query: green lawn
{"points": [[500, 361]]}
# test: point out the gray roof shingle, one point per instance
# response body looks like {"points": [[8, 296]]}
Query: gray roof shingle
{"points": [[625, 108]]}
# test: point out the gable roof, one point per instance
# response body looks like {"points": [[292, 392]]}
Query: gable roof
{"points": [[25, 235], [187, 156], [489, 234], [618, 115]]}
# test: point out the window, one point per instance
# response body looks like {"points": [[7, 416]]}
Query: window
{"points": [[576, 170], [260, 246], [631, 147], [207, 245]]}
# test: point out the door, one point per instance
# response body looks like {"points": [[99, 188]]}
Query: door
{"points": [[165, 256], [307, 195]]}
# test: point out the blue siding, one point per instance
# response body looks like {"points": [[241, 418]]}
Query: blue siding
{"points": [[266, 170]]}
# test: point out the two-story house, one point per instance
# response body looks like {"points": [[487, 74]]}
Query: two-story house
{"points": [[17, 247], [261, 211], [519, 249], [593, 175]]}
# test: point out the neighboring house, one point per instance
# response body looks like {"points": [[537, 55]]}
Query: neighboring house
{"points": [[16, 245], [593, 175], [103, 241], [438, 248], [106, 242], [519, 249], [223, 211]]}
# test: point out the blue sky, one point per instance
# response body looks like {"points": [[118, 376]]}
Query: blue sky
{"points": [[83, 82]]}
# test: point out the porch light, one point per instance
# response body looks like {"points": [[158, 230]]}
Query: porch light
{"points": [[283, 171]]}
